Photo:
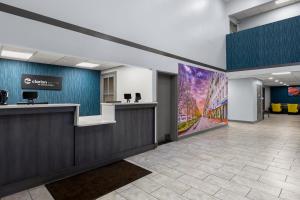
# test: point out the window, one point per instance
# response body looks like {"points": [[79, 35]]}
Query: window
{"points": [[108, 87]]}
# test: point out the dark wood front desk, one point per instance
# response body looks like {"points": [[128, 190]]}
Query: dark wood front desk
{"points": [[41, 144]]}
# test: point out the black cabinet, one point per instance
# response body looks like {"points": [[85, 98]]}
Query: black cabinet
{"points": [[34, 145], [93, 144], [134, 130], [40, 145]]}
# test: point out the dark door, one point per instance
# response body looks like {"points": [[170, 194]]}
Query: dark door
{"points": [[264, 101], [166, 108], [259, 103]]}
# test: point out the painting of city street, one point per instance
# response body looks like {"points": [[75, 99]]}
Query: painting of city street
{"points": [[202, 99]]}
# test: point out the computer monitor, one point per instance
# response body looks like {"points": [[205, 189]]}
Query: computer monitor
{"points": [[127, 97], [30, 96], [3, 97], [137, 97]]}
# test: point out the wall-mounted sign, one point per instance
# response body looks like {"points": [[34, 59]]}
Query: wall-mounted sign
{"points": [[37, 82]]}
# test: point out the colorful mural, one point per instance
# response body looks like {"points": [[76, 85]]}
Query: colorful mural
{"points": [[294, 91], [202, 99]]}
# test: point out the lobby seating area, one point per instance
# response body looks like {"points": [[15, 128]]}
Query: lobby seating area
{"points": [[285, 108]]}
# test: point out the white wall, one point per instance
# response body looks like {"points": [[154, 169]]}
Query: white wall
{"points": [[133, 80], [193, 29], [242, 99], [271, 16], [267, 97]]}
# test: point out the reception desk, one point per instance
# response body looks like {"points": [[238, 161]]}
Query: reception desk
{"points": [[43, 143]]}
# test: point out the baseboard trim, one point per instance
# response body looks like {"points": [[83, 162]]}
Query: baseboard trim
{"points": [[200, 132], [247, 122]]}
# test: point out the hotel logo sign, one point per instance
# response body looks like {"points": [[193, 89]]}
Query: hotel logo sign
{"points": [[41, 82]]}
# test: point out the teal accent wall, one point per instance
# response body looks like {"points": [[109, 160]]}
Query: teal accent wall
{"points": [[80, 86], [272, 44], [280, 95]]}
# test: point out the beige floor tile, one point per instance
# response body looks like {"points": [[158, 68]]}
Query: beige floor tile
{"points": [[285, 194], [18, 196], [228, 185], [134, 193], [199, 184], [284, 185], [229, 195], [259, 195], [112, 196], [126, 187], [147, 185], [167, 171], [295, 181], [194, 194], [171, 184], [40, 193], [273, 190], [166, 194]]}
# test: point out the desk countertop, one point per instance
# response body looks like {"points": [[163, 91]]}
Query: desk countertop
{"points": [[108, 111], [22, 106], [124, 104], [93, 121]]}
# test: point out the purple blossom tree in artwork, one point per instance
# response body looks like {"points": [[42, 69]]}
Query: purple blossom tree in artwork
{"points": [[202, 99]]}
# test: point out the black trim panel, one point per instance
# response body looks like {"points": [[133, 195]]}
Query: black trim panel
{"points": [[262, 67], [72, 27]]}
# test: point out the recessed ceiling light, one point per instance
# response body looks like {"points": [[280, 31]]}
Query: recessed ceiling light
{"points": [[16, 54], [276, 81], [281, 73], [281, 1], [87, 64], [281, 82], [270, 78]]}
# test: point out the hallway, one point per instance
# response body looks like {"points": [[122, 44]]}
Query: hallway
{"points": [[243, 161], [239, 162]]}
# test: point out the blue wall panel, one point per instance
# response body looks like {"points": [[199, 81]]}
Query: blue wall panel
{"points": [[79, 85], [272, 44], [280, 95]]}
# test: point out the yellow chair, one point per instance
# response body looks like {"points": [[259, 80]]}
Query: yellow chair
{"points": [[276, 107], [292, 108]]}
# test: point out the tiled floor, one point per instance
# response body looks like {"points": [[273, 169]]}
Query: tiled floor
{"points": [[240, 162]]}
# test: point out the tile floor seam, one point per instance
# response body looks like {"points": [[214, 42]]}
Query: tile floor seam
{"points": [[160, 186], [248, 193], [118, 194], [30, 194], [280, 193], [217, 191], [148, 192]]}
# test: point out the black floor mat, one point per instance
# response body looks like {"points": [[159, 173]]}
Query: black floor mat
{"points": [[96, 183]]}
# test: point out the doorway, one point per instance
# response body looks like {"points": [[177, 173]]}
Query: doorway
{"points": [[264, 102], [166, 107], [260, 112]]}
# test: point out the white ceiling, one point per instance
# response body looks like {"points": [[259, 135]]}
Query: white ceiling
{"points": [[289, 79], [58, 59], [265, 74], [261, 9], [193, 29]]}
